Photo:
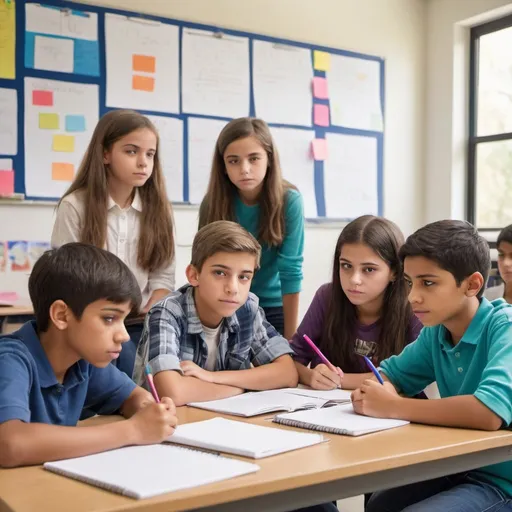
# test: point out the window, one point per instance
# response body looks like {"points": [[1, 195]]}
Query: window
{"points": [[490, 125]]}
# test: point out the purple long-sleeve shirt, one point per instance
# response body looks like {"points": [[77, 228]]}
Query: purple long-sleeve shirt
{"points": [[366, 338]]}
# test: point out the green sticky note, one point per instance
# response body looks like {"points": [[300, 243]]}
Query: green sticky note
{"points": [[48, 121]]}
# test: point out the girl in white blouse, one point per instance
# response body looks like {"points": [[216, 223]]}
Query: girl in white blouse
{"points": [[118, 202]]}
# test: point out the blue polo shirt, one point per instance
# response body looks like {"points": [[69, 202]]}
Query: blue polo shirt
{"points": [[30, 392], [480, 365]]}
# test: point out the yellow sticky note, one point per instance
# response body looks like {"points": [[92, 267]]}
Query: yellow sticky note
{"points": [[7, 39], [64, 143], [48, 121], [322, 60]]}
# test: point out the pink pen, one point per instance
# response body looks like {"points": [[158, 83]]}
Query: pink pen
{"points": [[322, 357], [152, 384]]}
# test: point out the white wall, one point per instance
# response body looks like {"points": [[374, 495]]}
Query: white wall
{"points": [[393, 29]]}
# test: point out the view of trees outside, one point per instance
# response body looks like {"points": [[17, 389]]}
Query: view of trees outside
{"points": [[494, 115]]}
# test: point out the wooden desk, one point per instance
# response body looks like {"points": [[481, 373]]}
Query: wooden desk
{"points": [[16, 310], [340, 468]]}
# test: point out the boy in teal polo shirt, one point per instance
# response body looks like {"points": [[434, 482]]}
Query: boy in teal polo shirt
{"points": [[466, 347]]}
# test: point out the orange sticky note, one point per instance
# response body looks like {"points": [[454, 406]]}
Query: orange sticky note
{"points": [[319, 149], [143, 83], [320, 89], [321, 115], [145, 63], [62, 171], [63, 143]]}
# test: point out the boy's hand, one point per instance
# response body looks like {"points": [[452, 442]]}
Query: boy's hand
{"points": [[154, 423], [375, 399], [191, 369], [321, 377]]}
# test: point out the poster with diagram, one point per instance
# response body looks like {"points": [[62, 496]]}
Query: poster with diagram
{"points": [[60, 118]]}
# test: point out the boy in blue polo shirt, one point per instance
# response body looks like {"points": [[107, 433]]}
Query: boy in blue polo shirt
{"points": [[52, 368], [466, 347]]}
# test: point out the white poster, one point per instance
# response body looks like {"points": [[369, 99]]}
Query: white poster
{"points": [[351, 176], [202, 137], [282, 78], [297, 164], [53, 54], [8, 121], [142, 58], [215, 74], [170, 150], [59, 120]]}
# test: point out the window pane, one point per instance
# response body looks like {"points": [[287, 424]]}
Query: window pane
{"points": [[494, 184], [495, 83]]}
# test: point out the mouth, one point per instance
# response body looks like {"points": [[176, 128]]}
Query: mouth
{"points": [[232, 302], [420, 312], [114, 354], [140, 174], [355, 292]]}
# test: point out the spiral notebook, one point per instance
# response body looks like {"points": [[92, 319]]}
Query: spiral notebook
{"points": [[239, 438], [146, 471], [340, 420]]}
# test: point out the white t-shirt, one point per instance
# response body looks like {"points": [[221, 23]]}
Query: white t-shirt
{"points": [[211, 337]]}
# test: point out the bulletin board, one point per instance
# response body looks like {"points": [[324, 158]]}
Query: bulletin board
{"points": [[63, 65]]}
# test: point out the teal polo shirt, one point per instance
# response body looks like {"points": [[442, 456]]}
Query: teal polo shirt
{"points": [[480, 365]]}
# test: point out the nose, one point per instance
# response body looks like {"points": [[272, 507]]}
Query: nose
{"points": [[142, 160], [355, 278], [246, 166], [232, 286], [414, 296], [122, 335]]}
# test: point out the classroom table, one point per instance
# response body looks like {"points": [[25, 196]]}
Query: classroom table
{"points": [[12, 317], [339, 468]]}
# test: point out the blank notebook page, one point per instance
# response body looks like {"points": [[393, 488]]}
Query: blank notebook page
{"points": [[146, 471], [241, 438]]}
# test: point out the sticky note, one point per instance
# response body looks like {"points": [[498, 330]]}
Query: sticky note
{"points": [[144, 63], [75, 123], [319, 149], [6, 183], [321, 61], [320, 88], [143, 83], [321, 115], [48, 121], [63, 143], [7, 40], [62, 171], [42, 98]]}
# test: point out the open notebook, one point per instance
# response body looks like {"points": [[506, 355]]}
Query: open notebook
{"points": [[337, 420], [146, 471], [241, 438], [263, 402]]}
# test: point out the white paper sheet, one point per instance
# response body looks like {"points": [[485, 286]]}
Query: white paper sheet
{"points": [[282, 77], [48, 20], [354, 89], [202, 136], [297, 164], [215, 74], [170, 151], [350, 176], [125, 38], [6, 164], [68, 99], [8, 121], [54, 54]]}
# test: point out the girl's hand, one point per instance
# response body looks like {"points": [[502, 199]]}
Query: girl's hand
{"points": [[321, 377]]}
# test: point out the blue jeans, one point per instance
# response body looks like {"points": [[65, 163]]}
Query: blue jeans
{"points": [[275, 316], [455, 493], [126, 360]]}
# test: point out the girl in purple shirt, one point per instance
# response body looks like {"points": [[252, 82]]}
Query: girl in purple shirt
{"points": [[363, 310]]}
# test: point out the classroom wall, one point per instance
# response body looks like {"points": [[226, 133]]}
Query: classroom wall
{"points": [[393, 29]]}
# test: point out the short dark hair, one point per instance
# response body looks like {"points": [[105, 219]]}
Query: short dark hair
{"points": [[504, 236], [454, 245], [79, 274]]}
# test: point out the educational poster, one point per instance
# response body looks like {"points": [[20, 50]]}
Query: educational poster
{"points": [[8, 121], [215, 74], [142, 61], [170, 150], [354, 86], [18, 256], [282, 76], [202, 137], [297, 164], [36, 250], [7, 39], [350, 176], [62, 40], [59, 120]]}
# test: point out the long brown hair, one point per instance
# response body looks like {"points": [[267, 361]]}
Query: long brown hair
{"points": [[218, 203], [156, 239], [385, 238]]}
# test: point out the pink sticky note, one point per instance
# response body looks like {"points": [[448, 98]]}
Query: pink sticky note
{"points": [[6, 183], [320, 89], [319, 149], [321, 115], [42, 98]]}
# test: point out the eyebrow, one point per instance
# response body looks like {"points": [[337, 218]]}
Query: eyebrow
{"points": [[225, 267], [115, 310], [256, 153], [421, 276], [364, 262], [138, 147]]}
